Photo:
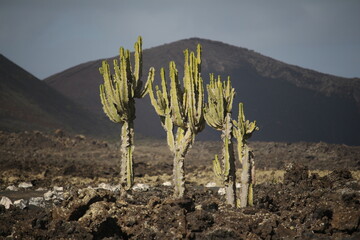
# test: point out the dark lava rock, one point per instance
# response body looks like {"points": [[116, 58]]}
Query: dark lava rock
{"points": [[295, 173], [199, 221], [345, 219]]}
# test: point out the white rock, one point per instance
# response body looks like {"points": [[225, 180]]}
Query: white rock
{"points": [[115, 188], [167, 184], [105, 186], [25, 185], [49, 195], [141, 187], [109, 187], [37, 201], [221, 191], [53, 195], [21, 203], [12, 188], [40, 189], [238, 185], [210, 184], [5, 201], [58, 189]]}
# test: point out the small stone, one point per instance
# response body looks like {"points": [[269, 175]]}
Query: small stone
{"points": [[21, 203], [49, 195], [5, 201], [345, 219], [221, 191], [12, 188], [25, 185], [109, 187], [141, 187], [238, 185], [40, 189], [58, 189], [167, 184], [105, 186], [210, 184], [115, 188], [37, 201]]}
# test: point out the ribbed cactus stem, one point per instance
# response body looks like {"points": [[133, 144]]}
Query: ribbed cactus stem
{"points": [[229, 162], [126, 150], [245, 179]]}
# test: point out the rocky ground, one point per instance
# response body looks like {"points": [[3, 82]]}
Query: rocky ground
{"points": [[56, 186]]}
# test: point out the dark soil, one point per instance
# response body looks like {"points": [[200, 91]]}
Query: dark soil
{"points": [[304, 206]]}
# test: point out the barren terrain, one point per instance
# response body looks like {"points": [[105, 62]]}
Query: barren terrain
{"points": [[303, 191]]}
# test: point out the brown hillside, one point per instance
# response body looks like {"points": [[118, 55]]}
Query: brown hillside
{"points": [[26, 103], [289, 102]]}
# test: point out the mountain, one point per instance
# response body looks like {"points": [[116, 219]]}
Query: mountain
{"points": [[26, 103], [290, 103]]}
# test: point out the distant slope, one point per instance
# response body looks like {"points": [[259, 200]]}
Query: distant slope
{"points": [[26, 103], [290, 103]]}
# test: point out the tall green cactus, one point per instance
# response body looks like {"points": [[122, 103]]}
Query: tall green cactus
{"points": [[218, 116], [180, 109], [118, 95], [243, 130]]}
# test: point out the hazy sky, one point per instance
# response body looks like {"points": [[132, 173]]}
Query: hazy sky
{"points": [[49, 36]]}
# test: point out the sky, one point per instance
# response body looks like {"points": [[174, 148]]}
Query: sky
{"points": [[48, 36]]}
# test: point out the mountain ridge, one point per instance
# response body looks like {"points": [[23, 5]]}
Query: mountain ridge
{"points": [[290, 103]]}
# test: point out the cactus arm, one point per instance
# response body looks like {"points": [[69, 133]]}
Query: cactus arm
{"points": [[217, 167], [169, 133], [154, 101], [164, 90], [108, 83], [138, 60], [109, 108], [176, 96]]}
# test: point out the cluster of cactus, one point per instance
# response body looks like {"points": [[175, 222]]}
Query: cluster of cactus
{"points": [[118, 93], [183, 114], [180, 108], [218, 115]]}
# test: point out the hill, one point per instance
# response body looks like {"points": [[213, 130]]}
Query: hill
{"points": [[26, 103], [290, 103]]}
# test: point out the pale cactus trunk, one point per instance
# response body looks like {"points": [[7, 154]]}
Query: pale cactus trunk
{"points": [[126, 150], [228, 158], [179, 175], [247, 177], [181, 149]]}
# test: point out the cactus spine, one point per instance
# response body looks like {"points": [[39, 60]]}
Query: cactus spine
{"points": [[218, 116], [118, 93], [180, 109], [243, 131]]}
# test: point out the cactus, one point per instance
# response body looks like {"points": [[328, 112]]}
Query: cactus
{"points": [[218, 116], [180, 109], [117, 94], [243, 131]]}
